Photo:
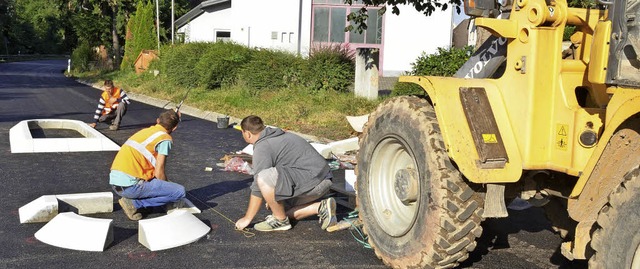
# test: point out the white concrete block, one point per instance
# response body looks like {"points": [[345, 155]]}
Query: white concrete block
{"points": [[71, 231], [47, 207], [358, 122], [342, 146], [50, 145], [324, 150], [349, 180], [20, 138], [22, 141], [42, 209], [89, 203], [172, 230], [108, 145], [186, 205]]}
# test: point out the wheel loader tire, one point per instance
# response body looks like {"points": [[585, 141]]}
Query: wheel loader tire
{"points": [[415, 207], [616, 239]]}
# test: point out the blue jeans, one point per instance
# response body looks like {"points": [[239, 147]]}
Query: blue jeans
{"points": [[154, 192]]}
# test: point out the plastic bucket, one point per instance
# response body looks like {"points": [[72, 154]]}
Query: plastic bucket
{"points": [[223, 122]]}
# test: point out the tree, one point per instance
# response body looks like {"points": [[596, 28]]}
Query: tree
{"points": [[57, 26], [181, 7], [141, 33], [112, 15], [32, 27], [426, 7], [6, 20]]}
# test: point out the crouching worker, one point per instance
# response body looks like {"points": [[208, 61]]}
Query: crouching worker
{"points": [[112, 106], [289, 174], [137, 172]]}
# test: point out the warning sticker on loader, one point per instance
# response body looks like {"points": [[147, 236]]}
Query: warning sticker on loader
{"points": [[489, 138], [562, 136]]}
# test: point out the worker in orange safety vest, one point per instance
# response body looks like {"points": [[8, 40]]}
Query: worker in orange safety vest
{"points": [[112, 106], [137, 173]]}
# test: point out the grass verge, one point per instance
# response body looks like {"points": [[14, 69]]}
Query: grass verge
{"points": [[320, 113]]}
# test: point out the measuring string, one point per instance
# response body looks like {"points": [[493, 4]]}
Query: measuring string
{"points": [[244, 231]]}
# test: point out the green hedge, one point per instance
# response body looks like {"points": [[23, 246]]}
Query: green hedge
{"points": [[178, 63], [270, 69], [445, 63], [330, 68], [221, 63], [212, 65]]}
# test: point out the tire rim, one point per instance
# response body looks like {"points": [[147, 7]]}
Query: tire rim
{"points": [[394, 217], [635, 264]]}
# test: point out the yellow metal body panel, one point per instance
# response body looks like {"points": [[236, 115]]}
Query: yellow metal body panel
{"points": [[456, 133], [534, 101], [598, 64], [624, 104]]}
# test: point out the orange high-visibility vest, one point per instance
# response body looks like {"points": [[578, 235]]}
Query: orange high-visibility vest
{"points": [[106, 96], [137, 157]]}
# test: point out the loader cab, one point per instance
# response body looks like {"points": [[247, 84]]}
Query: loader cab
{"points": [[624, 56], [481, 8]]}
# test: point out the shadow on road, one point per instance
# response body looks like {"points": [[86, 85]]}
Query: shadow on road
{"points": [[208, 193], [496, 233]]}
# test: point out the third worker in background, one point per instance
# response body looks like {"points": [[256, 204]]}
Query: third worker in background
{"points": [[289, 174], [112, 106]]}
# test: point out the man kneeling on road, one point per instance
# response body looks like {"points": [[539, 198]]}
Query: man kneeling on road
{"points": [[289, 174], [112, 106], [137, 173]]}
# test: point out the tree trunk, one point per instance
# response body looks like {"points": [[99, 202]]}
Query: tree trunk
{"points": [[114, 35]]}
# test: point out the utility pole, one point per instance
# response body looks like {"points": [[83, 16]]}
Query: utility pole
{"points": [[158, 23]]}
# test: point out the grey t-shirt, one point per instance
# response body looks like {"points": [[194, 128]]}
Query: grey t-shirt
{"points": [[300, 167]]}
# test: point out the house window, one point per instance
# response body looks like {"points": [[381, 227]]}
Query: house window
{"points": [[373, 34], [330, 20], [223, 35]]}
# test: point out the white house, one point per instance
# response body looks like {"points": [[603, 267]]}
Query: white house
{"points": [[299, 25]]}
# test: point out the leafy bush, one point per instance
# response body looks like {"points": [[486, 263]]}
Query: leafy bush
{"points": [[330, 68], [82, 56], [445, 62], [569, 30], [404, 88], [269, 69], [582, 3], [221, 63], [178, 62]]}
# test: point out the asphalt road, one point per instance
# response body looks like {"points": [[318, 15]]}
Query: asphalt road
{"points": [[38, 90]]}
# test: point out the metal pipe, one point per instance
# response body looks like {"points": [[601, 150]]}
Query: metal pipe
{"points": [[172, 22], [299, 27], [158, 23]]}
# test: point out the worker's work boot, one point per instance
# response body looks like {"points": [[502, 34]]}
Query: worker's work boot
{"points": [[129, 209], [327, 213]]}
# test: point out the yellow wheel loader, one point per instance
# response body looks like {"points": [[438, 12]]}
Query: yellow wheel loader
{"points": [[521, 119]]}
